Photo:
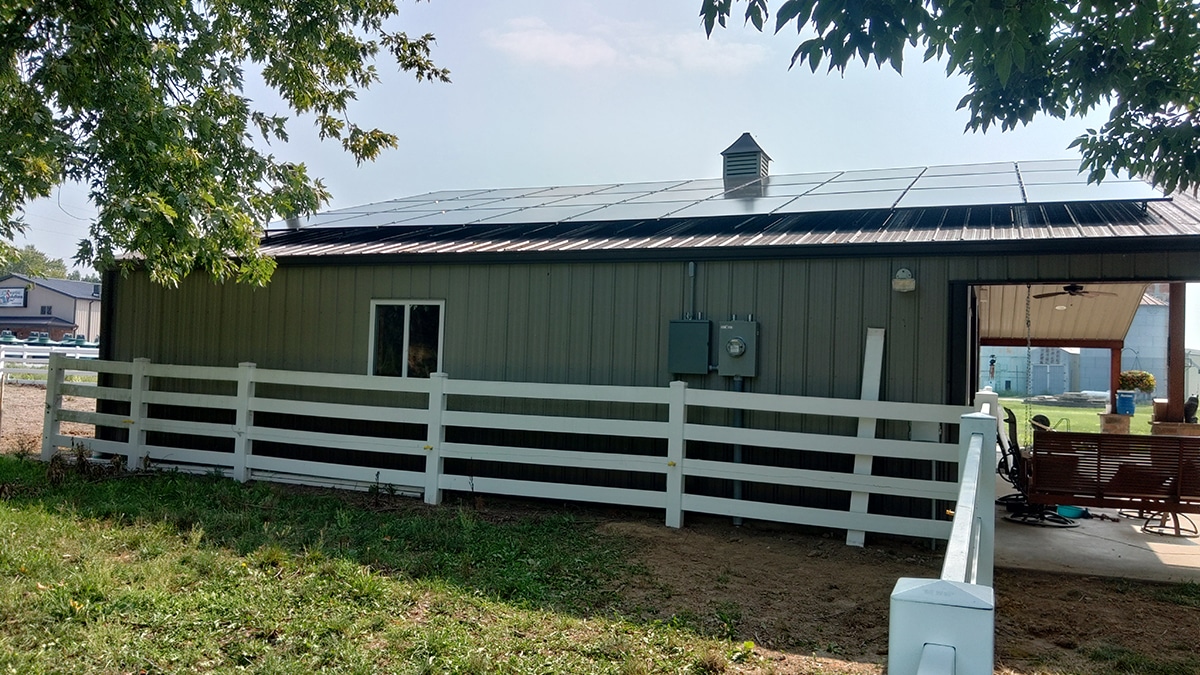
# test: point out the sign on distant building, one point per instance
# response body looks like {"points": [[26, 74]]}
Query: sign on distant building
{"points": [[12, 297]]}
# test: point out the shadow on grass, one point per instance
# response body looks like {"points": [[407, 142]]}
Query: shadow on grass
{"points": [[542, 560]]}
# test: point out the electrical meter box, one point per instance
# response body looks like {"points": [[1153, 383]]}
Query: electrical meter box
{"points": [[737, 348], [688, 347]]}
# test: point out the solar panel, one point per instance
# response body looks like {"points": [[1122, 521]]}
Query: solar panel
{"points": [[542, 214], [599, 199], [963, 185], [456, 217], [1045, 177], [1049, 165], [635, 211], [967, 180], [845, 201], [879, 174], [732, 207], [961, 196], [526, 202], [643, 187], [793, 190], [573, 190], [676, 196], [802, 178], [702, 184], [443, 194], [506, 193], [970, 169], [375, 207], [1108, 190], [874, 185]]}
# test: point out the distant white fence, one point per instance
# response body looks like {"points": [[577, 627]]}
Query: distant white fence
{"points": [[30, 363], [248, 392], [946, 626]]}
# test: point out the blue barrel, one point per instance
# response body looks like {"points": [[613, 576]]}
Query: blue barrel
{"points": [[1124, 402]]}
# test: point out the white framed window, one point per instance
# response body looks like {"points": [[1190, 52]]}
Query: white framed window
{"points": [[406, 337]]}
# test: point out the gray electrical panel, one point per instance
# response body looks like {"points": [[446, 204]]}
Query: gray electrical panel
{"points": [[737, 348], [688, 347]]}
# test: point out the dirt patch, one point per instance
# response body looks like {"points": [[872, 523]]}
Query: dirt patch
{"points": [[24, 412], [810, 603]]}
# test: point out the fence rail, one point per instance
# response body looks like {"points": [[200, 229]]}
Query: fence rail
{"points": [[358, 431]]}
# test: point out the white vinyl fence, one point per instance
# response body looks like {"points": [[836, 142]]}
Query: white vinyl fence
{"points": [[244, 407], [30, 363], [946, 626]]}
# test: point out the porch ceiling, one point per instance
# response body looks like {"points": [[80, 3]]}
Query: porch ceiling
{"points": [[1104, 314]]}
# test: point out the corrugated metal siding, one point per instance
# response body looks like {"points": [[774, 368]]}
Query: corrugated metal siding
{"points": [[600, 323], [605, 323]]}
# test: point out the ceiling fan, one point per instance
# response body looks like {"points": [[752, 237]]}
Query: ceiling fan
{"points": [[1073, 290]]}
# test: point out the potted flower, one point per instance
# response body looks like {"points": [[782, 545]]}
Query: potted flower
{"points": [[1136, 380]]}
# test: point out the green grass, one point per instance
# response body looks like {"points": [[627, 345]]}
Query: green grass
{"points": [[1072, 419], [1114, 660], [173, 573]]}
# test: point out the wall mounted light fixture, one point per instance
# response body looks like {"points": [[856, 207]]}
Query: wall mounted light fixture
{"points": [[903, 281]]}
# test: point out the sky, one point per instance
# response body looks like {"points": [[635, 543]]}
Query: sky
{"points": [[546, 92]]}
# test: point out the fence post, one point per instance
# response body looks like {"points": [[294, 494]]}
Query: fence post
{"points": [[954, 616], [245, 419], [137, 453], [434, 437], [991, 399], [676, 420], [985, 500], [51, 424]]}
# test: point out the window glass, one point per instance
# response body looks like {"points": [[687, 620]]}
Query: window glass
{"points": [[389, 340], [407, 339], [424, 324]]}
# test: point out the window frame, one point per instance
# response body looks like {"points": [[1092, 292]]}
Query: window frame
{"points": [[391, 302]]}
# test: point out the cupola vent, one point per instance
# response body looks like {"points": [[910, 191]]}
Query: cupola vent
{"points": [[744, 162]]}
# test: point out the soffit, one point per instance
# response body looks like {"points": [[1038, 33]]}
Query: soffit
{"points": [[1104, 312]]}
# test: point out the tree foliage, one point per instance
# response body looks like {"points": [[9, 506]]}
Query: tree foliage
{"points": [[1028, 57], [33, 263], [143, 103]]}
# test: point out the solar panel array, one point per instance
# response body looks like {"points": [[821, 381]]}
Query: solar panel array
{"points": [[999, 183]]}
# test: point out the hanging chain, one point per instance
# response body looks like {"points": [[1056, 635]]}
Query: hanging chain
{"points": [[1028, 366]]}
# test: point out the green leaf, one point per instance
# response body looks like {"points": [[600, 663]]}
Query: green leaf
{"points": [[146, 106]]}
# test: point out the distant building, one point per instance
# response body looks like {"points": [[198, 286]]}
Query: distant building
{"points": [[1061, 369], [1145, 346], [1055, 370], [55, 306]]}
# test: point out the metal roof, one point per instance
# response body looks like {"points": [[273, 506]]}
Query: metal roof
{"points": [[744, 143], [84, 290], [951, 207]]}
